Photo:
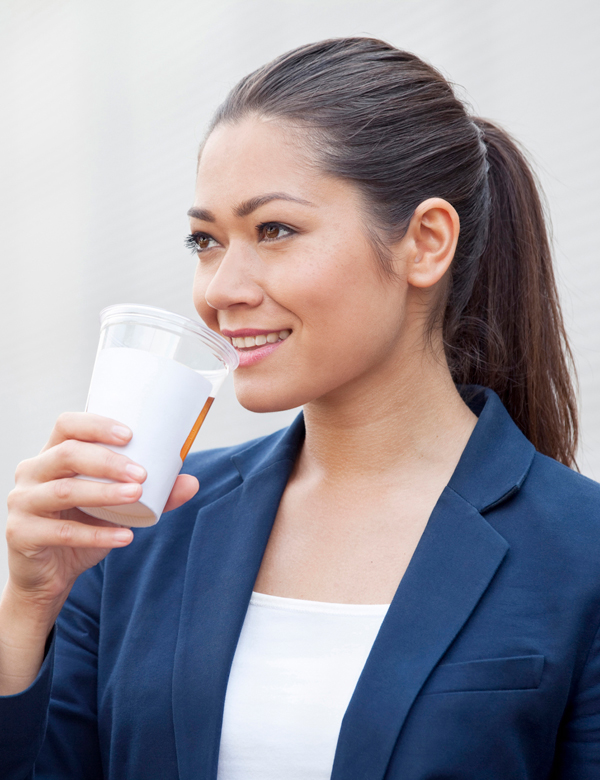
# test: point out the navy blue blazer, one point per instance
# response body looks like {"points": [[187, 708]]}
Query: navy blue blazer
{"points": [[486, 667]]}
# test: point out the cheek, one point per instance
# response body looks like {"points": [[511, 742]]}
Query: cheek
{"points": [[348, 324], [339, 299], [352, 318]]}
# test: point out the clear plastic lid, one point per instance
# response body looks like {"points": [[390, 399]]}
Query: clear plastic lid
{"points": [[174, 323]]}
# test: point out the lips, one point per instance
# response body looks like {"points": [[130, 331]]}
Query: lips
{"points": [[254, 345]]}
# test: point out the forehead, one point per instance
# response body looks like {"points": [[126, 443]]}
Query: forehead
{"points": [[252, 156]]}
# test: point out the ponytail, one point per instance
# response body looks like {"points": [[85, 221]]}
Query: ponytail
{"points": [[510, 335]]}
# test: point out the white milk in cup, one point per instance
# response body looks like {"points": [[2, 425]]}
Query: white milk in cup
{"points": [[158, 373]]}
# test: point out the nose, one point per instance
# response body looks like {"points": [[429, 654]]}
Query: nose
{"points": [[235, 281]]}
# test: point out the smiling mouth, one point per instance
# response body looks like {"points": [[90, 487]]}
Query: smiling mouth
{"points": [[251, 342]]}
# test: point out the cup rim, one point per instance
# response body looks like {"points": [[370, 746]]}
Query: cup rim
{"points": [[228, 353]]}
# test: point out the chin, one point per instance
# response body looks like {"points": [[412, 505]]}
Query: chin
{"points": [[261, 398]]}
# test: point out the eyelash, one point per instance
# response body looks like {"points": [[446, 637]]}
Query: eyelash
{"points": [[191, 241]]}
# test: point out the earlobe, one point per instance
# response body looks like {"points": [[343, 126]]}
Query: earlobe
{"points": [[433, 234]]}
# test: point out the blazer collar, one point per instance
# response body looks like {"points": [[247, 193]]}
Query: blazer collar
{"points": [[454, 563], [492, 468], [264, 452], [497, 458]]}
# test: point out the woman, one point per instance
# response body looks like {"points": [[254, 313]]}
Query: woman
{"points": [[397, 586]]}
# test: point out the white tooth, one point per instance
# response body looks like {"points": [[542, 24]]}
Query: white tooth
{"points": [[272, 338], [283, 334], [260, 340], [249, 341], [239, 342]]}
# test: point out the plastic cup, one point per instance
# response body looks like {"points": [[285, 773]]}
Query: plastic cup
{"points": [[158, 373]]}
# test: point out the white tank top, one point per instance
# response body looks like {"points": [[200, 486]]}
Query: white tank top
{"points": [[295, 668]]}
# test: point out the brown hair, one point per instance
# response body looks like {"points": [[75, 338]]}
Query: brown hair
{"points": [[391, 124]]}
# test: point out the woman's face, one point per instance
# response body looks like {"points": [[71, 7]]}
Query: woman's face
{"points": [[285, 269]]}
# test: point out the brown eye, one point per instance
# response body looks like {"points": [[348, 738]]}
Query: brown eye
{"points": [[271, 231], [200, 242]]}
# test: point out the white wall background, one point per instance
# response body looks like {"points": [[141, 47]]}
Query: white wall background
{"points": [[102, 106]]}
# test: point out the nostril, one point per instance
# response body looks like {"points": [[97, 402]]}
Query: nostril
{"points": [[228, 288]]}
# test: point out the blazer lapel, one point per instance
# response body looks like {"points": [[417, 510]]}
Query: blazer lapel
{"points": [[454, 563], [225, 553], [451, 568]]}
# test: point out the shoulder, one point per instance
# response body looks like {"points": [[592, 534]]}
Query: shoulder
{"points": [[556, 512], [221, 470], [559, 490], [215, 470]]}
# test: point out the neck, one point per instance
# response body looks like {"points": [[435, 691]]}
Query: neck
{"points": [[405, 421]]}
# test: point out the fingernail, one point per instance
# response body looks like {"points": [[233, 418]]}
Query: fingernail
{"points": [[129, 490], [122, 535], [121, 432], [137, 472]]}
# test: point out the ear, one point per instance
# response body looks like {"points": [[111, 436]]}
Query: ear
{"points": [[432, 236]]}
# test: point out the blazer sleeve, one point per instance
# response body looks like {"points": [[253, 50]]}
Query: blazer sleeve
{"points": [[23, 719], [578, 744], [50, 731]]}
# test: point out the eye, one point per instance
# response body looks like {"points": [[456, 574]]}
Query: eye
{"points": [[272, 231], [200, 242]]}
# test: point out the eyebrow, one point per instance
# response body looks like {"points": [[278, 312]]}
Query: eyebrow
{"points": [[248, 206]]}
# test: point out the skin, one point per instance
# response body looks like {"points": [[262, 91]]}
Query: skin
{"points": [[385, 426]]}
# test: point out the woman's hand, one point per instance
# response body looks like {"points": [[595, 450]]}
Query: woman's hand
{"points": [[50, 542]]}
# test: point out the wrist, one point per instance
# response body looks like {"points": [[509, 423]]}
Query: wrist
{"points": [[24, 629], [29, 613]]}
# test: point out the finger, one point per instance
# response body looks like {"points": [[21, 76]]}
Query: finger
{"points": [[72, 457], [48, 497], [83, 517], [86, 426], [185, 487], [35, 533]]}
